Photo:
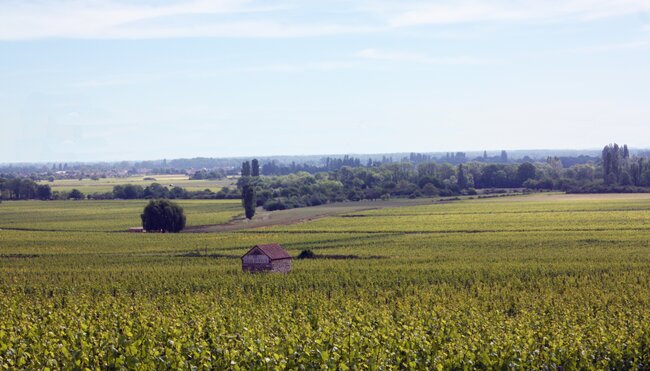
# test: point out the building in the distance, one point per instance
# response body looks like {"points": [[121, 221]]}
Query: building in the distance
{"points": [[266, 258]]}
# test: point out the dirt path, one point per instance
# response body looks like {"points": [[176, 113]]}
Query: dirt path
{"points": [[284, 217]]}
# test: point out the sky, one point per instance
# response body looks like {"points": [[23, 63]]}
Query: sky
{"points": [[109, 80]]}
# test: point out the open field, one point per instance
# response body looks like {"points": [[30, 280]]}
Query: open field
{"points": [[106, 184], [517, 282], [265, 218], [114, 215]]}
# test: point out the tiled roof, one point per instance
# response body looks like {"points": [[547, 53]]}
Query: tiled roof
{"points": [[273, 251]]}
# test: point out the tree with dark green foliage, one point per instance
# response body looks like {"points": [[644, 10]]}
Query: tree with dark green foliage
{"points": [[613, 158], [128, 191], [249, 201], [255, 168], [43, 192], [525, 171], [76, 194], [163, 216], [462, 177], [246, 168]]}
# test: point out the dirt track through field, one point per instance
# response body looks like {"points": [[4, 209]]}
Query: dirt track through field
{"points": [[285, 217]]}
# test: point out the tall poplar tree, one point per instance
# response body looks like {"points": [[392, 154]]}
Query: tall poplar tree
{"points": [[249, 201], [462, 178], [246, 168]]}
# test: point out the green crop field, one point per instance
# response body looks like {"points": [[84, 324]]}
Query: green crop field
{"points": [[511, 283], [114, 215], [103, 185]]}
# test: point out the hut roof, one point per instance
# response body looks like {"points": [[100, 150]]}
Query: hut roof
{"points": [[273, 251]]}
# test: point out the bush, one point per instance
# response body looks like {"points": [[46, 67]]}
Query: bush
{"points": [[415, 194], [445, 192], [75, 194], [275, 204], [306, 254], [163, 216], [606, 188]]}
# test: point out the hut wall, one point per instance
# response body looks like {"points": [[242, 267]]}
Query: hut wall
{"points": [[282, 265]]}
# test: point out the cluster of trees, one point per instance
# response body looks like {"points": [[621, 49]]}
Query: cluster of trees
{"points": [[23, 189], [328, 164], [156, 191], [331, 164], [385, 181], [208, 174], [616, 171], [430, 179], [28, 189], [621, 172]]}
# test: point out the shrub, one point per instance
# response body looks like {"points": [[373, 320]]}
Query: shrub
{"points": [[275, 204], [306, 254], [75, 194]]}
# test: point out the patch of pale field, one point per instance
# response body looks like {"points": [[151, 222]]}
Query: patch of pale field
{"points": [[169, 180]]}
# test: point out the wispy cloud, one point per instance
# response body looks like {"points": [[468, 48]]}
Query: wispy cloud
{"points": [[115, 19], [400, 56], [104, 82], [508, 10], [106, 19], [629, 45]]}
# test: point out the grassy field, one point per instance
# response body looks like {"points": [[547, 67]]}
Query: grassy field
{"points": [[518, 282], [115, 215], [106, 184]]}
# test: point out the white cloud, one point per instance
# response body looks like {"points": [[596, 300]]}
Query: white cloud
{"points": [[115, 19], [630, 45], [398, 56], [281, 68], [507, 10], [103, 82], [108, 19]]}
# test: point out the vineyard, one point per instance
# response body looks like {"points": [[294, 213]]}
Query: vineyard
{"points": [[103, 216], [514, 282]]}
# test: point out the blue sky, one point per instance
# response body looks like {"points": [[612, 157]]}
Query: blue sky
{"points": [[124, 80]]}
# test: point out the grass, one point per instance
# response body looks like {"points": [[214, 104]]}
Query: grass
{"points": [[550, 282]]}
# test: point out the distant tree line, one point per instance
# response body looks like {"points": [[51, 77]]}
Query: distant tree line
{"points": [[620, 172], [208, 174], [615, 171], [330, 164], [27, 189], [158, 191]]}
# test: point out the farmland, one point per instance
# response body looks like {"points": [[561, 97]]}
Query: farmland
{"points": [[515, 282], [103, 185], [117, 215]]}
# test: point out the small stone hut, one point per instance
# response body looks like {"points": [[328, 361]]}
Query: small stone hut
{"points": [[266, 258]]}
